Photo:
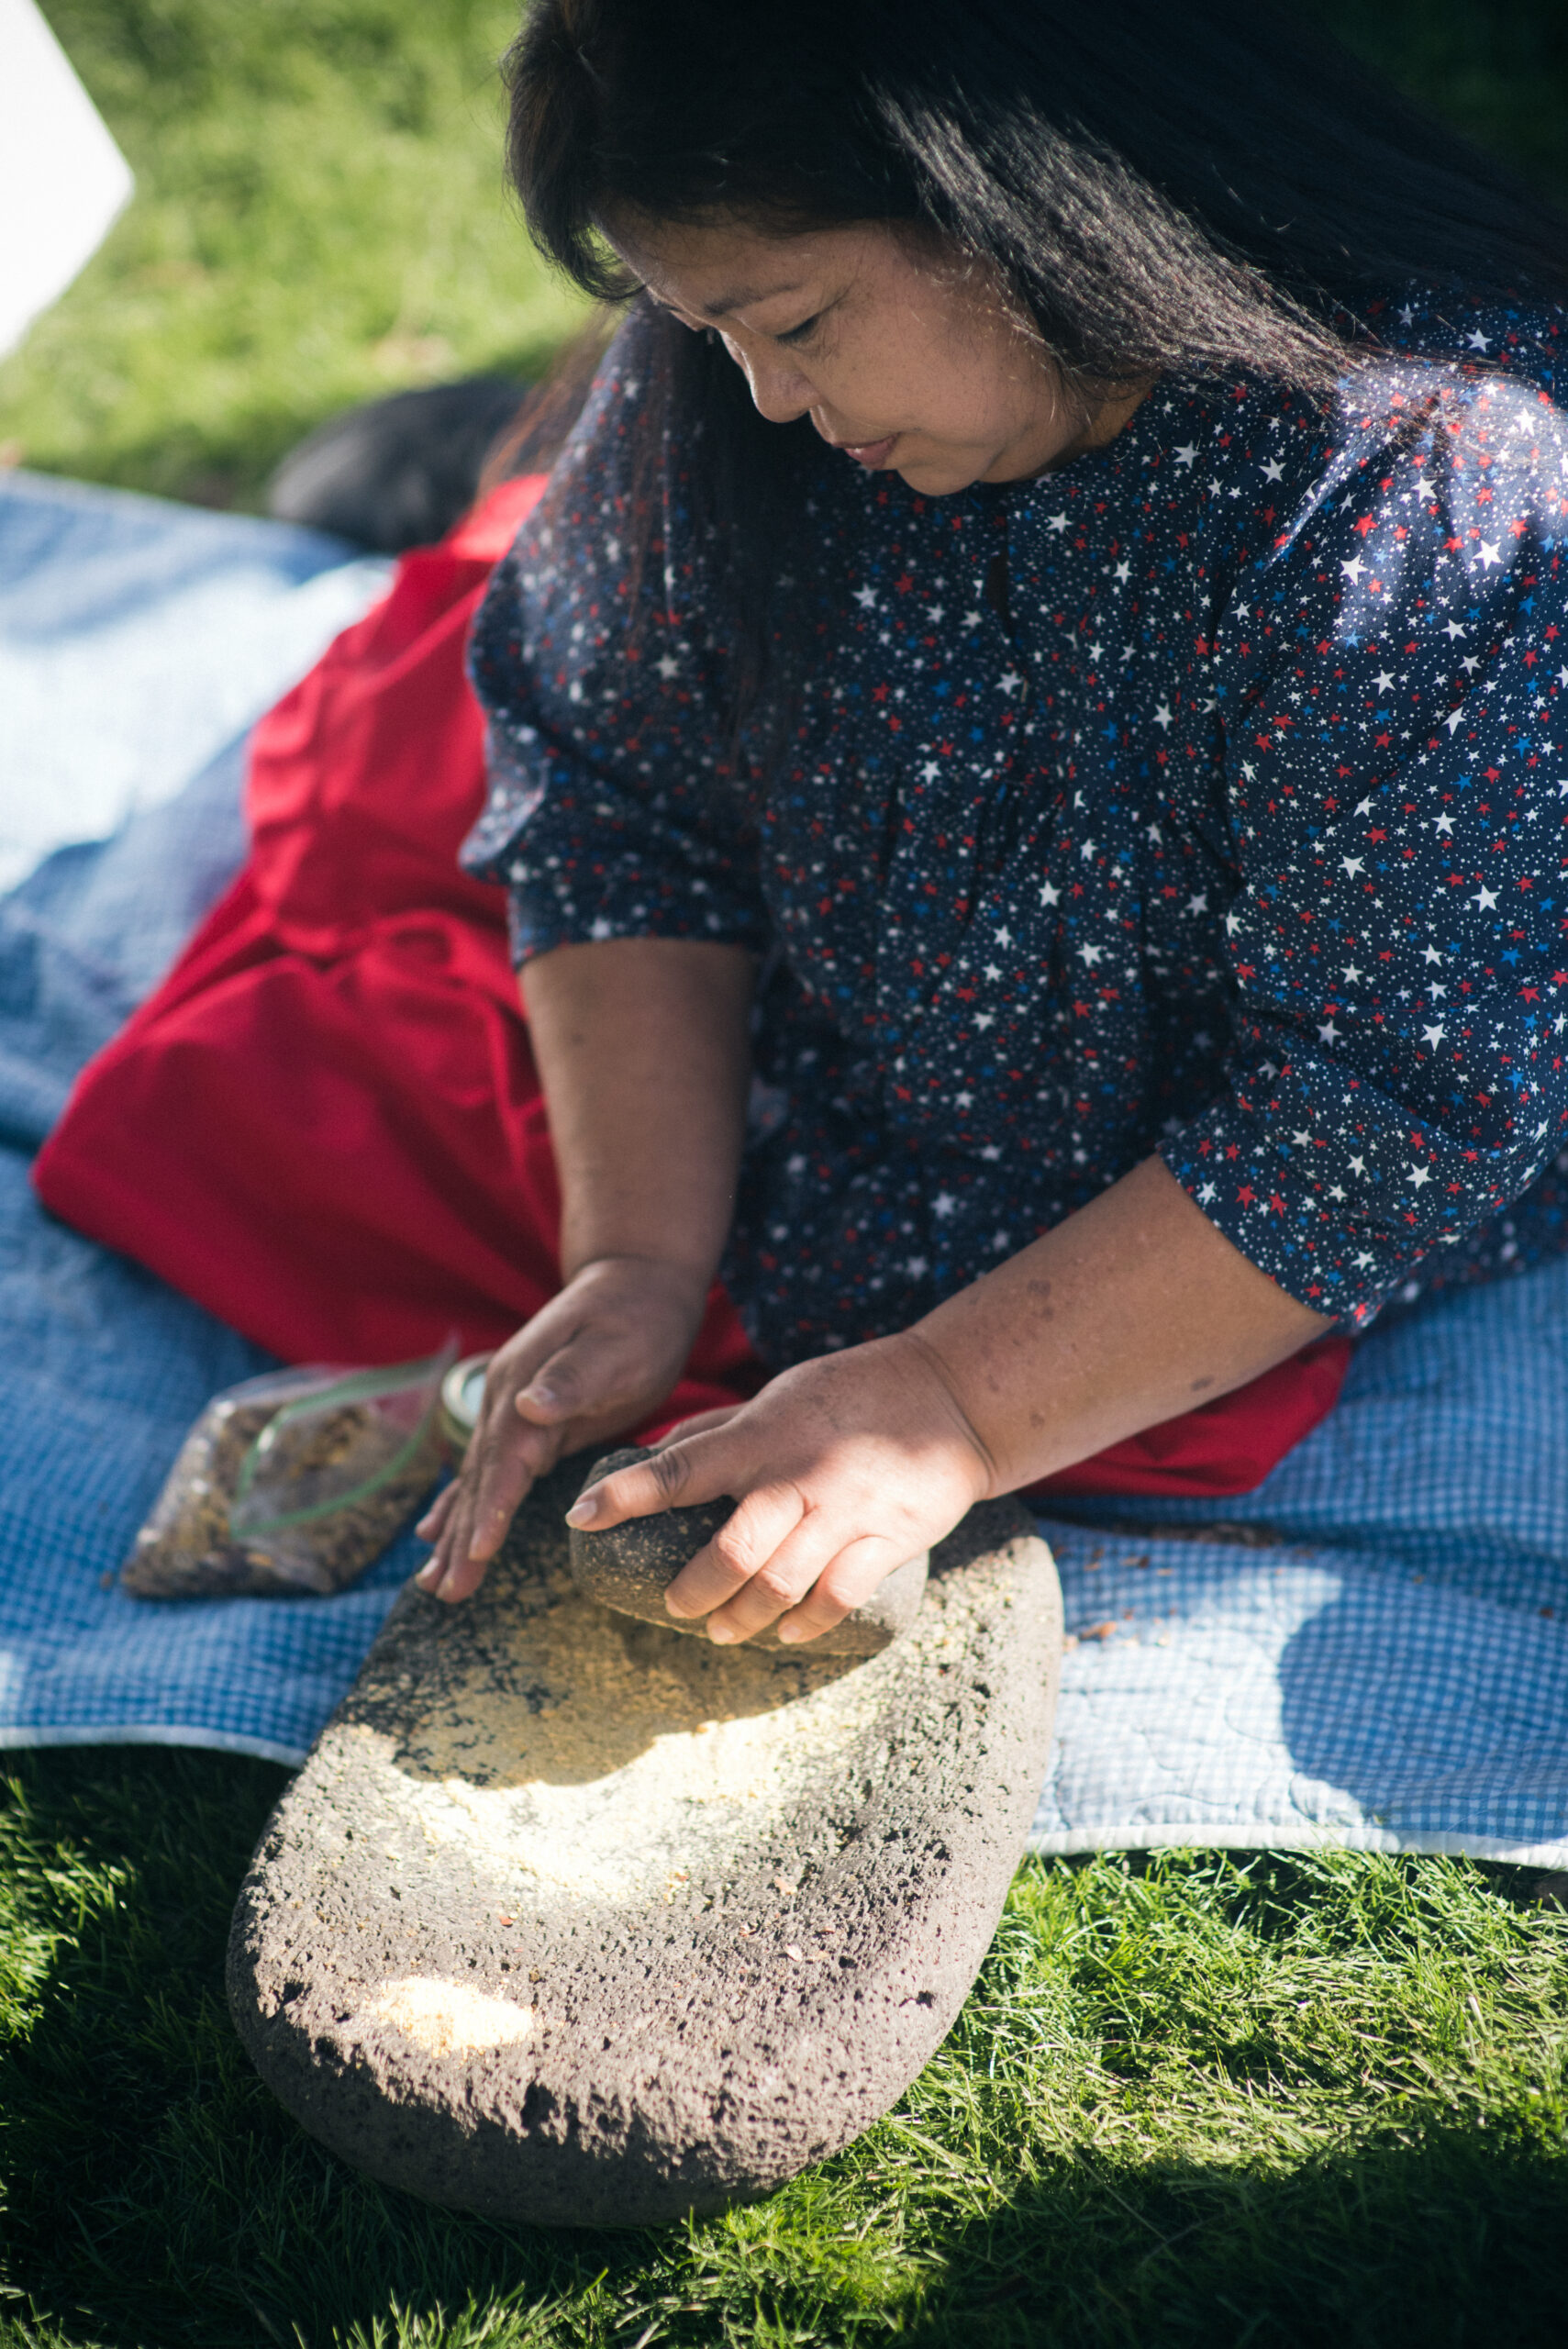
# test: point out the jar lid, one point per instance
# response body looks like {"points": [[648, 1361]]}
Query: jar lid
{"points": [[463, 1391]]}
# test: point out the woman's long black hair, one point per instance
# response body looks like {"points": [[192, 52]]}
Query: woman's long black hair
{"points": [[1195, 188]]}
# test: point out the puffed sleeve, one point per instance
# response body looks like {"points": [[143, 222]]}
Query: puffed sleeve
{"points": [[610, 813], [1391, 683]]}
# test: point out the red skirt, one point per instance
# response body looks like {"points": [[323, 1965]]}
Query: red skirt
{"points": [[325, 1125]]}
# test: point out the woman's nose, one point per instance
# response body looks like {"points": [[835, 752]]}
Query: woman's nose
{"points": [[779, 391]]}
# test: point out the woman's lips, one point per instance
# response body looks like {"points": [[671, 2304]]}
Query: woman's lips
{"points": [[870, 453]]}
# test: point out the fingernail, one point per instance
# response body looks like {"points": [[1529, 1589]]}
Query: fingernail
{"points": [[545, 1396], [790, 1635], [582, 1512], [429, 1575], [722, 1635]]}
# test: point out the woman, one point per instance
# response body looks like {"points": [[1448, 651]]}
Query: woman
{"points": [[1043, 649]]}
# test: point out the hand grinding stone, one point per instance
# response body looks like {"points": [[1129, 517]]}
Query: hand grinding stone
{"points": [[630, 1566], [570, 1920]]}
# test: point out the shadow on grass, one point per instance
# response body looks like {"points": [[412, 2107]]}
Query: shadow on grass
{"points": [[158, 2197], [1455, 2241]]}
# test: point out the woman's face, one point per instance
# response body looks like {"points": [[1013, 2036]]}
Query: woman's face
{"points": [[906, 361]]}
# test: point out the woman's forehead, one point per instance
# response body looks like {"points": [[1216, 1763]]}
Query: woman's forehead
{"points": [[714, 267]]}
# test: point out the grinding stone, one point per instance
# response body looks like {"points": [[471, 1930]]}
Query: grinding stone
{"points": [[630, 1567], [570, 1919]]}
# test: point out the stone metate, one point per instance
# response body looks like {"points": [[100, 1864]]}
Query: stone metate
{"points": [[572, 1919]]}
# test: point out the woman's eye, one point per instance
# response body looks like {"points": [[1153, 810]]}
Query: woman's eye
{"points": [[803, 331]]}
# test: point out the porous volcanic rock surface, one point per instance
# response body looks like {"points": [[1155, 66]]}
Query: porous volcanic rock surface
{"points": [[573, 1919], [630, 1566]]}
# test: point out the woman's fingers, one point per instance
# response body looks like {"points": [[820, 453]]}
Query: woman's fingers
{"points": [[848, 1581], [758, 1554], [682, 1472], [429, 1526], [508, 1468], [468, 1523], [811, 1582]]}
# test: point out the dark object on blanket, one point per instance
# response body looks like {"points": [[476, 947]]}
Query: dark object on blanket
{"points": [[397, 472], [631, 1566], [569, 1920], [292, 1483]]}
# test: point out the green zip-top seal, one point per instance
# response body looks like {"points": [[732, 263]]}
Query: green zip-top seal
{"points": [[358, 1386]]}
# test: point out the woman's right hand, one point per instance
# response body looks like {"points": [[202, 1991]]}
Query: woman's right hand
{"points": [[599, 1357]]}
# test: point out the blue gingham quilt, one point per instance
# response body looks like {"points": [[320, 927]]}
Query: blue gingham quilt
{"points": [[1388, 1669], [1392, 1672]]}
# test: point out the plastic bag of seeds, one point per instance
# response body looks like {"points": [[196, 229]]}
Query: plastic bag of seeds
{"points": [[293, 1483]]}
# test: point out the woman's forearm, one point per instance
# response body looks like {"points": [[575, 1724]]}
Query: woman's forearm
{"points": [[643, 1050], [1132, 1311]]}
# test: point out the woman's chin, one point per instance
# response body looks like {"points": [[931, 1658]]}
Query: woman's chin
{"points": [[938, 477]]}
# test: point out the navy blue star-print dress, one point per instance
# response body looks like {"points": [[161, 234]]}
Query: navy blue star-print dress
{"points": [[1237, 830]]}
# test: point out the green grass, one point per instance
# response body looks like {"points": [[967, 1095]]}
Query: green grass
{"points": [[319, 218], [1202, 2099]]}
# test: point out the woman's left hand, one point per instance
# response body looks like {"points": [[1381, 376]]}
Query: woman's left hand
{"points": [[842, 1467]]}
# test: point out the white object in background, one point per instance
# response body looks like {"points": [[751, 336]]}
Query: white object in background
{"points": [[63, 180]]}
